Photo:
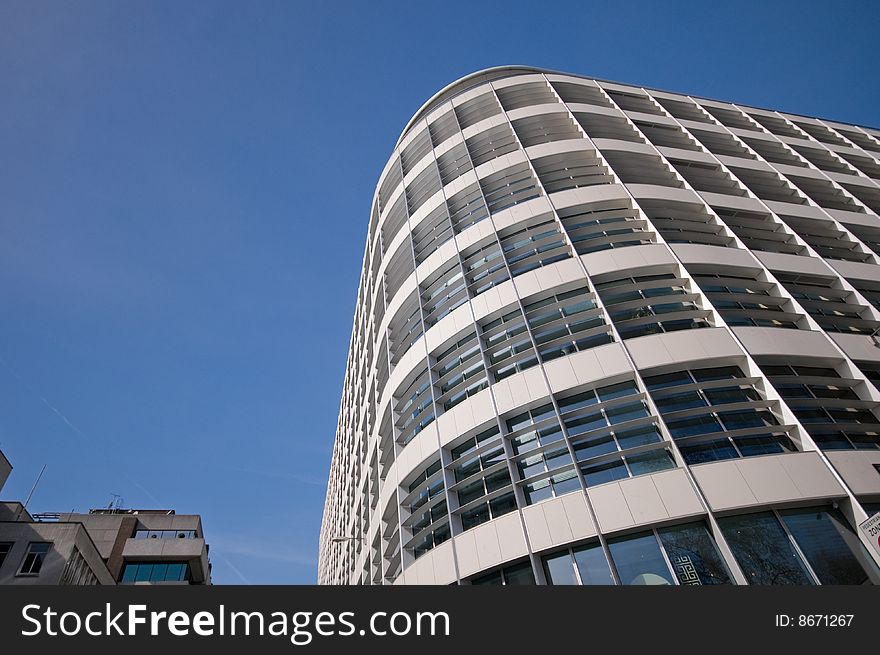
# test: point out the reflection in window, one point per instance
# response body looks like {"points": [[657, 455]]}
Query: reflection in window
{"points": [[155, 572], [585, 565], [693, 556], [482, 480], [830, 546], [644, 559], [638, 560], [544, 462], [717, 413], [428, 519], [651, 304], [763, 550], [567, 322]]}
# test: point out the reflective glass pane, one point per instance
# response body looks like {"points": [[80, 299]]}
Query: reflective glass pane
{"points": [[144, 572], [130, 573], [601, 473], [521, 574], [639, 561], [559, 569], [650, 462], [592, 566], [708, 451], [159, 571], [637, 437], [693, 555], [828, 543], [176, 572], [763, 550]]}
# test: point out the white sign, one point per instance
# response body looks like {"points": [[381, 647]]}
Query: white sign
{"points": [[871, 528]]}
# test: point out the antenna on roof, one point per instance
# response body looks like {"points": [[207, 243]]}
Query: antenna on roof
{"points": [[28, 500], [116, 502]]}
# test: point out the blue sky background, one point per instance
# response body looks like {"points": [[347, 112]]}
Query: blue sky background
{"points": [[184, 196]]}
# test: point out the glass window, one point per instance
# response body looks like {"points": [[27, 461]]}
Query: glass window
{"points": [[828, 543], [592, 565], [559, 569], [638, 436], [34, 558], [144, 573], [763, 550], [639, 561], [520, 574], [650, 462], [129, 573], [693, 555], [708, 451], [159, 572], [4, 551], [155, 572], [489, 579], [601, 473]]}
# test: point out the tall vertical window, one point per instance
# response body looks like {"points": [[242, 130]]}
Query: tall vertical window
{"points": [[830, 546], [803, 546], [693, 556], [482, 480]]}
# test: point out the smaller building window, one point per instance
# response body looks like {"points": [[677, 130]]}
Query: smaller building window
{"points": [[33, 560], [165, 534], [155, 572], [5, 547]]}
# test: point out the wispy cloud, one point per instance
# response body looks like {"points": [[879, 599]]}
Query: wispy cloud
{"points": [[302, 478], [145, 491], [42, 398], [232, 566], [259, 549]]}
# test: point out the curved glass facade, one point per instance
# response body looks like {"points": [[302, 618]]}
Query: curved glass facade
{"points": [[611, 335]]}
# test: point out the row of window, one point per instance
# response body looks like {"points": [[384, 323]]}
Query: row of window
{"points": [[797, 546], [155, 572], [583, 168], [34, 556], [739, 299], [76, 570], [165, 534], [608, 433], [554, 126]]}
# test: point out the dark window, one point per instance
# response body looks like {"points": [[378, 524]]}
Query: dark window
{"points": [[639, 561], [693, 555], [4, 551], [518, 574], [763, 550], [829, 545], [34, 558], [585, 565]]}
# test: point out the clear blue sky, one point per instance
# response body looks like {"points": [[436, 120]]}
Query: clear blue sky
{"points": [[184, 195]]}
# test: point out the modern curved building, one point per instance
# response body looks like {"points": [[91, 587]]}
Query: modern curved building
{"points": [[611, 335]]}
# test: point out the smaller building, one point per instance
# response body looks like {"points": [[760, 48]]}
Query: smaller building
{"points": [[105, 546], [146, 546]]}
